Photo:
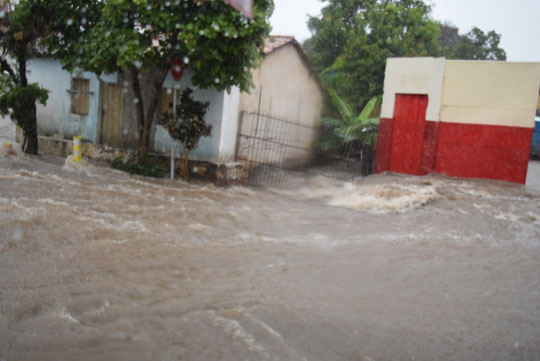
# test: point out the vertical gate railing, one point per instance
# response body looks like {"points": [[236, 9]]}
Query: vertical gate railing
{"points": [[282, 152]]}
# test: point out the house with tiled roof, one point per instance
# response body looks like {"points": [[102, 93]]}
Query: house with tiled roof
{"points": [[101, 110]]}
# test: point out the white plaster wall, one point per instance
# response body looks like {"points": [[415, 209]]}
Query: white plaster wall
{"points": [[413, 76], [229, 125], [209, 148], [490, 93]]}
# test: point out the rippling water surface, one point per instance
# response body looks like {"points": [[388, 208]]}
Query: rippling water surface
{"points": [[99, 265]]}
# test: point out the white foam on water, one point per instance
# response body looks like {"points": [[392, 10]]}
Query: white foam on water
{"points": [[230, 327], [48, 178], [80, 166], [507, 217], [273, 333], [23, 212], [385, 198], [53, 202], [133, 226], [234, 329], [67, 316]]}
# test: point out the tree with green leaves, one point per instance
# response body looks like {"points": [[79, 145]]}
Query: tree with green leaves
{"points": [[18, 98], [474, 45], [353, 38], [139, 37], [187, 125]]}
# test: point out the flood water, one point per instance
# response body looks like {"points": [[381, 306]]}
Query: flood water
{"points": [[99, 265]]}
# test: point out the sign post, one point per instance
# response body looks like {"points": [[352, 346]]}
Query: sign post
{"points": [[177, 70], [244, 6]]}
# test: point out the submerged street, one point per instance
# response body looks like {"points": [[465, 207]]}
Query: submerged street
{"points": [[99, 265]]}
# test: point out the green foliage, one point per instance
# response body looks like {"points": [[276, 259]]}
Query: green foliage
{"points": [[189, 125], [219, 44], [353, 38], [19, 102], [474, 45], [148, 167], [18, 37], [361, 128]]}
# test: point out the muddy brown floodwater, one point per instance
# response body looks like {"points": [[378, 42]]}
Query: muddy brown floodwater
{"points": [[99, 265]]}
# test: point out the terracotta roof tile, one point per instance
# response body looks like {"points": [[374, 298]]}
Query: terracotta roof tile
{"points": [[275, 42]]}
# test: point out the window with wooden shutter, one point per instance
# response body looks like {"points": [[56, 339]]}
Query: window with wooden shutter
{"points": [[80, 96]]}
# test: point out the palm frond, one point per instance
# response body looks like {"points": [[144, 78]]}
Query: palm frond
{"points": [[343, 108]]}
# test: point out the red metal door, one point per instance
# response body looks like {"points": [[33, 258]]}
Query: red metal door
{"points": [[408, 133]]}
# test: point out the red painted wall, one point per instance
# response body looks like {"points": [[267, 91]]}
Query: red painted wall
{"points": [[427, 163], [384, 145], [483, 151], [464, 150]]}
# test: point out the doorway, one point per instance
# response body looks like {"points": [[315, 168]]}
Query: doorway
{"points": [[408, 134], [111, 115]]}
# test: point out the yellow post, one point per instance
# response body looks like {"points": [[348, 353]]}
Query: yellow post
{"points": [[77, 152]]}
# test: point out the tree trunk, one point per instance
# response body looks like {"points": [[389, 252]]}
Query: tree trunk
{"points": [[145, 121], [142, 148], [30, 130], [30, 142], [185, 167]]}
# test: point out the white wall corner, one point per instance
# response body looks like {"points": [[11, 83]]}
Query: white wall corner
{"points": [[229, 125]]}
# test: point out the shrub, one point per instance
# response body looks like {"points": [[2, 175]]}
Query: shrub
{"points": [[148, 167]]}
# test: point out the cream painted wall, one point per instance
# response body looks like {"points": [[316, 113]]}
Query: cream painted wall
{"points": [[413, 76], [287, 90], [490, 93]]}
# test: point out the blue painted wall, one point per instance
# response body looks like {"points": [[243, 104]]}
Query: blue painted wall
{"points": [[55, 118]]}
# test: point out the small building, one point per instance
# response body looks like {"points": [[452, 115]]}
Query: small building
{"points": [[280, 117], [102, 109], [471, 119]]}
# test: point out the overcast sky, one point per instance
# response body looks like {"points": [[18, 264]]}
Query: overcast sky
{"points": [[518, 21]]}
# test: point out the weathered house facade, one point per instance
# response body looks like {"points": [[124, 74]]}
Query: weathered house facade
{"points": [[102, 109]]}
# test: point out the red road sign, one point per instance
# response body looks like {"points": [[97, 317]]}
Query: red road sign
{"points": [[177, 68], [244, 6]]}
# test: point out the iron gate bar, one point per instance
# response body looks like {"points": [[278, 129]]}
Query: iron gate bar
{"points": [[275, 151]]}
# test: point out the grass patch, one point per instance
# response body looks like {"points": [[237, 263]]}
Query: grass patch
{"points": [[148, 168]]}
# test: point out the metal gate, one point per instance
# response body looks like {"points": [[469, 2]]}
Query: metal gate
{"points": [[279, 152]]}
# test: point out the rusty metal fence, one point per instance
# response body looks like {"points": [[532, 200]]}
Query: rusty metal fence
{"points": [[280, 152]]}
